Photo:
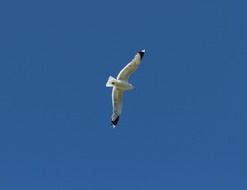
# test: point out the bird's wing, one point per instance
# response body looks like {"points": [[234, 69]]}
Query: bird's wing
{"points": [[125, 73], [117, 102]]}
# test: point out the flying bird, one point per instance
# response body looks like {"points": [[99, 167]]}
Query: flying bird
{"points": [[121, 84]]}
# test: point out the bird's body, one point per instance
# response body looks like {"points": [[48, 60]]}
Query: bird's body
{"points": [[121, 84]]}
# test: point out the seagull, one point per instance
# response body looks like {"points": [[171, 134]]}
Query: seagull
{"points": [[121, 84]]}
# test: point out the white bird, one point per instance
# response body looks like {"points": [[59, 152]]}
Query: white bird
{"points": [[121, 84]]}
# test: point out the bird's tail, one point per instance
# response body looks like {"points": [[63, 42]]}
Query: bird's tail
{"points": [[111, 81]]}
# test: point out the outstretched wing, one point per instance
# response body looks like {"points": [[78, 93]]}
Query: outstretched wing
{"points": [[117, 102], [125, 73]]}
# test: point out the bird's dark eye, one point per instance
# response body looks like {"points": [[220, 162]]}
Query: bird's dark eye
{"points": [[113, 82]]}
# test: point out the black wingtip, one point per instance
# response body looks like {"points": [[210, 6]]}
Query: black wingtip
{"points": [[142, 52], [114, 122]]}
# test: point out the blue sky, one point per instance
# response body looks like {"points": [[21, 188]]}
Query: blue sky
{"points": [[183, 127]]}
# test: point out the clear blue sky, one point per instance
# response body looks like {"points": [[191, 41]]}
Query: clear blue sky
{"points": [[183, 127]]}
